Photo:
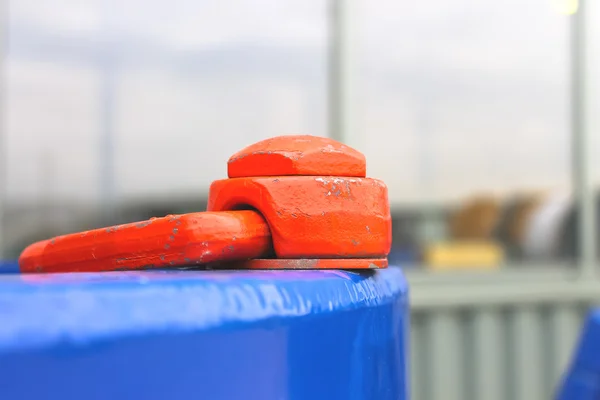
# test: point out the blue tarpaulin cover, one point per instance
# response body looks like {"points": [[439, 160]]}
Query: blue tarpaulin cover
{"points": [[204, 334], [582, 379], [9, 267]]}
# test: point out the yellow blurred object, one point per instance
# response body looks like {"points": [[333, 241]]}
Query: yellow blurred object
{"points": [[464, 255], [566, 7]]}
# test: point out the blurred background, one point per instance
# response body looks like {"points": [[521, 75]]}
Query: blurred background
{"points": [[479, 116]]}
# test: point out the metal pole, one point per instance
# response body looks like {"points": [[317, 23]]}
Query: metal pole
{"points": [[341, 126], [582, 153], [107, 184], [3, 151], [107, 116]]}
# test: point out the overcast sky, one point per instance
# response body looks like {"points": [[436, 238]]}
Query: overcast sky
{"points": [[451, 96]]}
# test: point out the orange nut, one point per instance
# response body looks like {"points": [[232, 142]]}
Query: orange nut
{"points": [[314, 216], [297, 155]]}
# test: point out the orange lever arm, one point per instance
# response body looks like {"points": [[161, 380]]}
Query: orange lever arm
{"points": [[171, 241]]}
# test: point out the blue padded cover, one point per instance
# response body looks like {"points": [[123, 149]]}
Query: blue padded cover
{"points": [[582, 379], [268, 335], [9, 267]]}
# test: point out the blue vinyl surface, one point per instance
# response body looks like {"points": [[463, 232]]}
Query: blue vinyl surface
{"points": [[9, 267], [205, 334], [582, 379]]}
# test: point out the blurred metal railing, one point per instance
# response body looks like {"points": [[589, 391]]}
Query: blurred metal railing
{"points": [[495, 336]]}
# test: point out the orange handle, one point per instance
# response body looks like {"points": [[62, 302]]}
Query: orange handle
{"points": [[171, 241]]}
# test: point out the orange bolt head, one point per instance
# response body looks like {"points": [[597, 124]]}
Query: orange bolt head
{"points": [[297, 155]]}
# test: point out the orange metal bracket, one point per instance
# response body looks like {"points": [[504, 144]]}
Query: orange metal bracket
{"points": [[290, 202]]}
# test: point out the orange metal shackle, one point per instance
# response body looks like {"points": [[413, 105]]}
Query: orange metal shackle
{"points": [[291, 202]]}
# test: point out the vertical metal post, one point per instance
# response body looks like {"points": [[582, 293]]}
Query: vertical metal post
{"points": [[107, 115], [431, 229], [341, 126], [107, 184], [582, 152], [3, 149]]}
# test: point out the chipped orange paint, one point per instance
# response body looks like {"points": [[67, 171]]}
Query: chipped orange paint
{"points": [[297, 155], [171, 241], [292, 202]]}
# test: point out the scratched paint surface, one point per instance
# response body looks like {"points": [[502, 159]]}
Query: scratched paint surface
{"points": [[315, 196], [314, 217], [297, 155], [205, 334], [171, 241]]}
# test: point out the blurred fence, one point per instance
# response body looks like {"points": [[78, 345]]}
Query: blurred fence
{"points": [[479, 338]]}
